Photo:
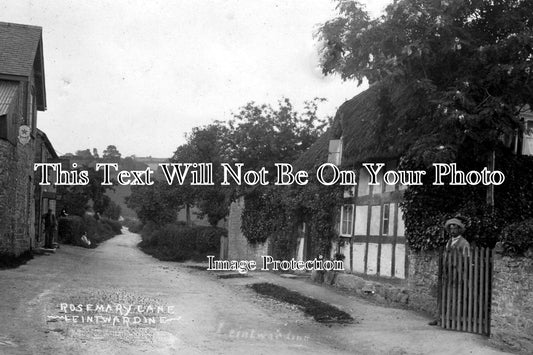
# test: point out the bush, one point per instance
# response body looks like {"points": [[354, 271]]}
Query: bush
{"points": [[283, 246], [115, 226], [149, 232], [112, 211], [427, 207], [517, 237], [133, 224], [176, 242], [71, 228]]}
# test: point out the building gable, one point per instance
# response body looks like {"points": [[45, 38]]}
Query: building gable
{"points": [[21, 55]]}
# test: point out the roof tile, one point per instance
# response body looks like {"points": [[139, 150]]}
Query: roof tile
{"points": [[18, 47]]}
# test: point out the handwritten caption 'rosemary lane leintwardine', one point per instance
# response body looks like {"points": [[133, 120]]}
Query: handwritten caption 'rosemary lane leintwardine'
{"points": [[115, 314], [201, 174]]}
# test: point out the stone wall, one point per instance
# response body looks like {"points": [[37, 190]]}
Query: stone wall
{"points": [[379, 291], [7, 196], [512, 302], [423, 281], [238, 246], [17, 215], [17, 204], [419, 291]]}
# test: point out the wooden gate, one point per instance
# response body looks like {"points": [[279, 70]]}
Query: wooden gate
{"points": [[465, 290]]}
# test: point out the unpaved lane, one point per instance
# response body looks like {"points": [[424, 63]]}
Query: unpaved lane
{"points": [[62, 304], [117, 300]]}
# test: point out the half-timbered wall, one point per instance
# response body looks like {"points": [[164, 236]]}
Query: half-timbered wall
{"points": [[371, 228]]}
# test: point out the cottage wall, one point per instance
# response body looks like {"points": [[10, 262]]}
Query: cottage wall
{"points": [[419, 291], [238, 246], [17, 204], [423, 281], [17, 214], [372, 228], [512, 302]]}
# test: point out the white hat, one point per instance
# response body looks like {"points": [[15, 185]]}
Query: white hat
{"points": [[455, 221]]}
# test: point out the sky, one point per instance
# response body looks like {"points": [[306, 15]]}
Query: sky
{"points": [[141, 74]]}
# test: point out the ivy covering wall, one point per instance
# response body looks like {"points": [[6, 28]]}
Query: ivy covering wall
{"points": [[278, 213], [427, 207]]}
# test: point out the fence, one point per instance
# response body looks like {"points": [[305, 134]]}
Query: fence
{"points": [[465, 290]]}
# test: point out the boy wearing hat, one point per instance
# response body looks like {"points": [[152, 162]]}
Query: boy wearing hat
{"points": [[455, 227]]}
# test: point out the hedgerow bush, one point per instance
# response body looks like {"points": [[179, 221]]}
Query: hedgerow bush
{"points": [[517, 238], [176, 242], [71, 228], [277, 213], [133, 224], [427, 207], [115, 226]]}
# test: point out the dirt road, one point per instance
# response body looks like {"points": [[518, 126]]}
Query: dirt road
{"points": [[117, 300]]}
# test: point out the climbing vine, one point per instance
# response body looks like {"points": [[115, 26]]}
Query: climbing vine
{"points": [[277, 213], [426, 207]]}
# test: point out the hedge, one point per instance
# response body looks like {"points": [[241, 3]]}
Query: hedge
{"points": [[517, 238], [71, 228], [176, 242]]}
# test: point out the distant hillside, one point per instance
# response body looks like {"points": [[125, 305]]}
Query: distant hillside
{"points": [[150, 160], [153, 164]]}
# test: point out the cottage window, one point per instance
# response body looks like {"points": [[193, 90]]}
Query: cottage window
{"points": [[363, 187], [385, 220], [3, 127], [389, 166], [346, 225], [401, 224], [375, 219], [527, 146], [335, 151], [361, 220], [349, 191]]}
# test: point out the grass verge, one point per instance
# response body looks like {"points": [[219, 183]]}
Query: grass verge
{"points": [[320, 311]]}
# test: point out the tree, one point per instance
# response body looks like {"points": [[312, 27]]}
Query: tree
{"points": [[258, 136], [112, 211], [262, 135], [84, 154], [111, 154], [463, 71], [153, 203], [469, 62], [204, 145], [76, 197]]}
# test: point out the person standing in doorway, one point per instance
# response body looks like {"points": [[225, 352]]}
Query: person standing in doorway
{"points": [[50, 225]]}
